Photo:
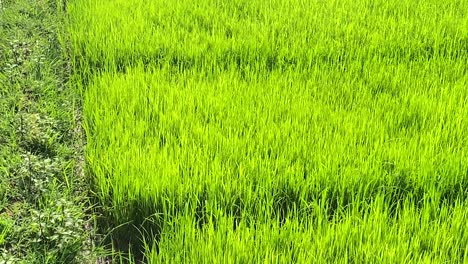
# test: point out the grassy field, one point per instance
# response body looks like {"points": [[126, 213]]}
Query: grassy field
{"points": [[277, 131], [44, 209]]}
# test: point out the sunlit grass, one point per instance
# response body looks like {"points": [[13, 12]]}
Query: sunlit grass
{"points": [[224, 126]]}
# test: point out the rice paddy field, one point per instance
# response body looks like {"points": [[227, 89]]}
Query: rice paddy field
{"points": [[280, 131]]}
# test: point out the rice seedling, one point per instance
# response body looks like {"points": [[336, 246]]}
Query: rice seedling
{"points": [[279, 131]]}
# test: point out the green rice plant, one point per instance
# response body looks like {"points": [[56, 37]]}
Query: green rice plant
{"points": [[278, 131]]}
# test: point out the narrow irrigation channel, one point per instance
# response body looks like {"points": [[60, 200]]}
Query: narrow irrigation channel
{"points": [[44, 210]]}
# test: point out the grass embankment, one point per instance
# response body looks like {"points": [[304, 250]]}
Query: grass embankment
{"points": [[42, 194], [278, 131]]}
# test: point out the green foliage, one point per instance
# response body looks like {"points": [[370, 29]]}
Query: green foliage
{"points": [[277, 131], [42, 202]]}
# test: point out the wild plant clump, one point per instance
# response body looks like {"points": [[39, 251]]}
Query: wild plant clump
{"points": [[42, 200]]}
